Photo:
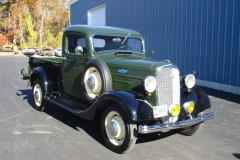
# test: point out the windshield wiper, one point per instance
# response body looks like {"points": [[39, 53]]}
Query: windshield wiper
{"points": [[124, 40]]}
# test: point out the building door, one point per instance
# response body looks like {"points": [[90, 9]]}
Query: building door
{"points": [[97, 16]]}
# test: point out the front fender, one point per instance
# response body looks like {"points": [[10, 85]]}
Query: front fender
{"points": [[138, 110], [198, 96], [203, 101], [135, 109]]}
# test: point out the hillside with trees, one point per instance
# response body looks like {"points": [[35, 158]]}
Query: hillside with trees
{"points": [[34, 23]]}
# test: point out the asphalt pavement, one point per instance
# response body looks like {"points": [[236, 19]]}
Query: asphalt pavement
{"points": [[55, 134]]}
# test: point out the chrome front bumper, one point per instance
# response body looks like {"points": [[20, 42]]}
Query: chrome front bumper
{"points": [[145, 129]]}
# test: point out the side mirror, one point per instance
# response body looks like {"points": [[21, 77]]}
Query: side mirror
{"points": [[79, 50]]}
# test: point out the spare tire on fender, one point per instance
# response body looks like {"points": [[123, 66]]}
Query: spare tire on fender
{"points": [[96, 79]]}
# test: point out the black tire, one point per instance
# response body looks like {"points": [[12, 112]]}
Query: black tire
{"points": [[106, 79], [194, 129], [36, 101], [129, 140]]}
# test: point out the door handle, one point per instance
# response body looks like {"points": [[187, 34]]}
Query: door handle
{"points": [[64, 58]]}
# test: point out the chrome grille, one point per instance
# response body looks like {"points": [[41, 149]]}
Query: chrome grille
{"points": [[168, 86]]}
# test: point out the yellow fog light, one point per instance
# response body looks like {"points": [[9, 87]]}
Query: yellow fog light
{"points": [[189, 106], [175, 110]]}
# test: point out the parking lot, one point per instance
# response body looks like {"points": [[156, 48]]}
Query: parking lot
{"points": [[58, 135]]}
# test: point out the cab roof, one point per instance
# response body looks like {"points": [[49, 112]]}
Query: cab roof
{"points": [[92, 30]]}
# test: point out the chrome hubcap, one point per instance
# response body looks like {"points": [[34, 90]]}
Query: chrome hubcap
{"points": [[115, 128], [37, 95], [93, 82]]}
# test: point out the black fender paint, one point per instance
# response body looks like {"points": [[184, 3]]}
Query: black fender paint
{"points": [[203, 101], [198, 96], [135, 109], [139, 110], [42, 75]]}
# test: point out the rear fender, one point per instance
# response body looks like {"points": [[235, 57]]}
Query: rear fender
{"points": [[40, 73]]}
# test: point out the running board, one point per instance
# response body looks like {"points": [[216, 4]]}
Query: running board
{"points": [[75, 108]]}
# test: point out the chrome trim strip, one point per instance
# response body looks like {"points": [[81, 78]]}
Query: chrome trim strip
{"points": [[144, 129]]}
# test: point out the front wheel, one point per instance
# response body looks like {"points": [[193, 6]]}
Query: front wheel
{"points": [[118, 133], [192, 130]]}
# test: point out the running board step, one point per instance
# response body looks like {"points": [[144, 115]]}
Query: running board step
{"points": [[73, 107]]}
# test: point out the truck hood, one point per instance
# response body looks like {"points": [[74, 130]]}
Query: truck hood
{"points": [[131, 64], [137, 68]]}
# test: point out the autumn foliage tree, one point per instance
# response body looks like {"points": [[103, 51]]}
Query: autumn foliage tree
{"points": [[34, 23]]}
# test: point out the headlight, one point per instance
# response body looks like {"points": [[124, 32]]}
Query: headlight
{"points": [[150, 84], [190, 81]]}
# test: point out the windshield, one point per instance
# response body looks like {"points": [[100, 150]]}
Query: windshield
{"points": [[103, 43]]}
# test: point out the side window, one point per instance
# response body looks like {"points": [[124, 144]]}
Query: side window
{"points": [[82, 42], [99, 44], [73, 41]]}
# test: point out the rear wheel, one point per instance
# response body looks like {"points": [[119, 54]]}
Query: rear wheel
{"points": [[38, 93], [192, 130], [118, 133]]}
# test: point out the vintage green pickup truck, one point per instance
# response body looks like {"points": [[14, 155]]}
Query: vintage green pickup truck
{"points": [[104, 72]]}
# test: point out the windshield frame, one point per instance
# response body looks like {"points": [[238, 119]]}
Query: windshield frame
{"points": [[116, 51]]}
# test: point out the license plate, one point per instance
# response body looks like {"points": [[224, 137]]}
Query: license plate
{"points": [[160, 111]]}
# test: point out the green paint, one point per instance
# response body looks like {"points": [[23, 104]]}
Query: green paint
{"points": [[136, 65]]}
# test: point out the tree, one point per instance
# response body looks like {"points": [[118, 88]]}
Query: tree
{"points": [[34, 23], [32, 34], [6, 23]]}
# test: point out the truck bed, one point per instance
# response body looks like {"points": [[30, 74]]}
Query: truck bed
{"points": [[49, 59], [51, 65]]}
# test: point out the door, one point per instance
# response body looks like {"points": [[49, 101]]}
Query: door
{"points": [[73, 63]]}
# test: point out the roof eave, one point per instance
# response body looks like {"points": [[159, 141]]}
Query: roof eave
{"points": [[73, 2]]}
